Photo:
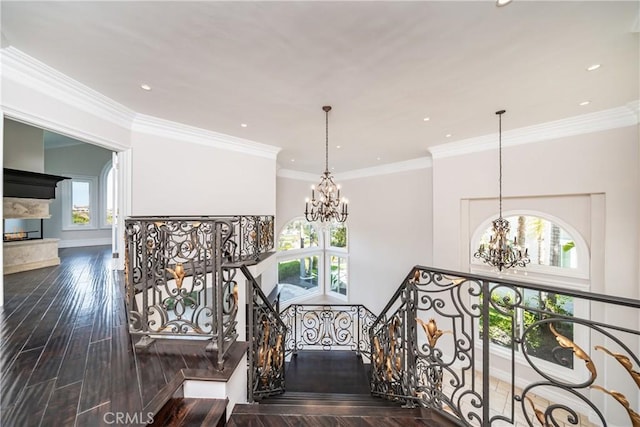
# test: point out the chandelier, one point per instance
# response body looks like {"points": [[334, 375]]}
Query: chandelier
{"points": [[326, 205], [501, 252]]}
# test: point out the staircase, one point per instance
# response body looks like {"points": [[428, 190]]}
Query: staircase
{"points": [[329, 388], [330, 409]]}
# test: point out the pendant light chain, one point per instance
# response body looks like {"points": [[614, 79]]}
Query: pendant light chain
{"points": [[499, 113], [326, 143]]}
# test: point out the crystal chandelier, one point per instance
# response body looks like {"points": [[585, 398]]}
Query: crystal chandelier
{"points": [[326, 205], [501, 252]]}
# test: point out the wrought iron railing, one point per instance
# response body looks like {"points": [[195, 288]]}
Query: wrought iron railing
{"points": [[266, 334], [445, 338], [327, 327], [180, 275], [253, 236]]}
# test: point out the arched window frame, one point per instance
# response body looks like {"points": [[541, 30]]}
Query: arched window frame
{"points": [[568, 278], [547, 274]]}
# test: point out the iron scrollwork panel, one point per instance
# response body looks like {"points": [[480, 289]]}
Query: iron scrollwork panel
{"points": [[448, 311], [563, 353], [267, 336], [171, 284], [328, 327]]}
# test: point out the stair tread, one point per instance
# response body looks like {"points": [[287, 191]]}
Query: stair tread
{"points": [[180, 411], [329, 409]]}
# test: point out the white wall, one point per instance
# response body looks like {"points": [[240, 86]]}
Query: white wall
{"points": [[84, 160], [23, 147], [389, 227], [173, 177], [603, 162]]}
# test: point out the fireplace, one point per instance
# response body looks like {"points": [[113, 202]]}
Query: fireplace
{"points": [[27, 196], [15, 229]]}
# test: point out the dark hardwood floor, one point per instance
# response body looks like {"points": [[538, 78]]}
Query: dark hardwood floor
{"points": [[337, 371], [67, 359]]}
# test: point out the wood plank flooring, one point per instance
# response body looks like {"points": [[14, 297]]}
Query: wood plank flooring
{"points": [[339, 371], [66, 357]]}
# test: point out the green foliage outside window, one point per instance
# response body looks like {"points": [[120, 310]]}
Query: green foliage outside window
{"points": [[80, 217], [339, 236], [540, 341]]}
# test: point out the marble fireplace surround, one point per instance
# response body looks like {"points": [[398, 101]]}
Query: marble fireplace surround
{"points": [[28, 254]]}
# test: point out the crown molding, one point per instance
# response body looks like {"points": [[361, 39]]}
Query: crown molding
{"points": [[587, 123], [300, 176], [408, 165], [389, 168], [166, 128], [28, 71], [57, 127]]}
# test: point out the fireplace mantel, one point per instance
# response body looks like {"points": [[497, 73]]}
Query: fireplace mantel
{"points": [[30, 185]]}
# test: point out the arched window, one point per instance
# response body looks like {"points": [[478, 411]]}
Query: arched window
{"points": [[554, 247], [559, 257], [312, 261]]}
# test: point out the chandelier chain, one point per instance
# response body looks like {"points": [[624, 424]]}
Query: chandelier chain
{"points": [[326, 139], [499, 113]]}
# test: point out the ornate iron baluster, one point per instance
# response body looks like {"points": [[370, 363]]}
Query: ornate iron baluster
{"points": [[266, 335]]}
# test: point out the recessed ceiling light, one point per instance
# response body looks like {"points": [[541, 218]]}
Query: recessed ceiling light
{"points": [[145, 86], [426, 119], [583, 103], [377, 158], [244, 125], [593, 67], [338, 146], [501, 3], [293, 160], [448, 135]]}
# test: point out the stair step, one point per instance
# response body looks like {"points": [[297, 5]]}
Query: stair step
{"points": [[333, 409], [336, 399], [190, 412]]}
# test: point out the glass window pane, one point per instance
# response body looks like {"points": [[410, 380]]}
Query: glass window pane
{"points": [[501, 316], [297, 234], [298, 277], [338, 236], [338, 275], [80, 197], [540, 340]]}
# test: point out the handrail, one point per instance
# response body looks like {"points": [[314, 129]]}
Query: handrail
{"points": [[265, 334], [440, 328], [593, 296]]}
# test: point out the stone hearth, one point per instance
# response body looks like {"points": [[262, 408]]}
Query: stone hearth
{"points": [[30, 254]]}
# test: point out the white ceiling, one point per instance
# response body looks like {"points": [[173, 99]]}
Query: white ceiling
{"points": [[383, 66]]}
